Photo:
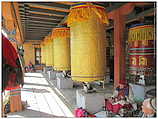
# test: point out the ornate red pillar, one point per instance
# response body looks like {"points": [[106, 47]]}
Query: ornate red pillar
{"points": [[119, 54], [118, 16]]}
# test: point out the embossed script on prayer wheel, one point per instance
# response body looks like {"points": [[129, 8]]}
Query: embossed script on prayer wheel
{"points": [[141, 49]]}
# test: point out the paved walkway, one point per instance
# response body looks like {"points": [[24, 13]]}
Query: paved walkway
{"points": [[41, 99]]}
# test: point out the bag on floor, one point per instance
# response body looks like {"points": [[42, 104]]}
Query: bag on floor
{"points": [[79, 112]]}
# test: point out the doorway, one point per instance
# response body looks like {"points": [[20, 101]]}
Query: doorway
{"points": [[37, 56]]}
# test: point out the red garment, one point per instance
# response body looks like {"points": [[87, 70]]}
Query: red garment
{"points": [[91, 115], [11, 83], [113, 108], [124, 82], [116, 108], [121, 93], [127, 106], [9, 52], [10, 57]]}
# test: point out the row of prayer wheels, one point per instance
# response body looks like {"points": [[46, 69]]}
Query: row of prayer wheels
{"points": [[82, 47], [55, 49]]}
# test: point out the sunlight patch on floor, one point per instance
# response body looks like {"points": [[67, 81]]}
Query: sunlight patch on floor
{"points": [[41, 99]]}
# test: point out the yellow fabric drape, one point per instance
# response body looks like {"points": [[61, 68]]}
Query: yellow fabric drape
{"points": [[84, 12], [61, 32]]}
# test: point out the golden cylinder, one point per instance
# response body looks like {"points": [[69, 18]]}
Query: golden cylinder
{"points": [[88, 59], [46, 51], [42, 52], [50, 52], [61, 43]]}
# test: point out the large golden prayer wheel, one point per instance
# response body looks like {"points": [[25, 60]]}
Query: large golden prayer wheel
{"points": [[87, 31], [61, 43], [46, 51], [42, 52], [141, 49], [50, 51]]}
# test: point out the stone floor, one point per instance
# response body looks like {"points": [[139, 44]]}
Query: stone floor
{"points": [[40, 99], [68, 96], [44, 99]]}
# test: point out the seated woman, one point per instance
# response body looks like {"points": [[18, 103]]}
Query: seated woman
{"points": [[149, 107], [122, 98], [31, 67]]}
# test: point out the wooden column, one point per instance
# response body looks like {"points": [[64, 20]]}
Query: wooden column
{"points": [[15, 100], [10, 24], [118, 16], [119, 54]]}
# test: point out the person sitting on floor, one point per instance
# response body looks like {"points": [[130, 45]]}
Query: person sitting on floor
{"points": [[31, 67], [149, 107], [122, 97]]}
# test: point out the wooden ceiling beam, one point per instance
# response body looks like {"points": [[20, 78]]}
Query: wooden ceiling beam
{"points": [[103, 4], [42, 25], [34, 40], [35, 27], [47, 11], [40, 12], [143, 3], [48, 14], [35, 32], [131, 17], [43, 18], [55, 4], [67, 3], [34, 5], [115, 6], [35, 36], [30, 34], [39, 22], [40, 15], [40, 30], [149, 12]]}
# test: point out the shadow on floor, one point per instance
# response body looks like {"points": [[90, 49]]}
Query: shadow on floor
{"points": [[34, 76], [34, 90], [28, 113], [36, 84]]}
